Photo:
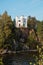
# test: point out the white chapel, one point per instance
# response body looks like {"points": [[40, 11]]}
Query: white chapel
{"points": [[21, 22]]}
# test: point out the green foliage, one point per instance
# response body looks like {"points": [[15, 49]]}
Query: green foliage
{"points": [[31, 22], [6, 26]]}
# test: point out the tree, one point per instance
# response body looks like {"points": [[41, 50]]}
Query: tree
{"points": [[1, 32], [41, 31], [6, 28], [31, 22]]}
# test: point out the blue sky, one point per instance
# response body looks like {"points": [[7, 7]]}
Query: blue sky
{"points": [[22, 7]]}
